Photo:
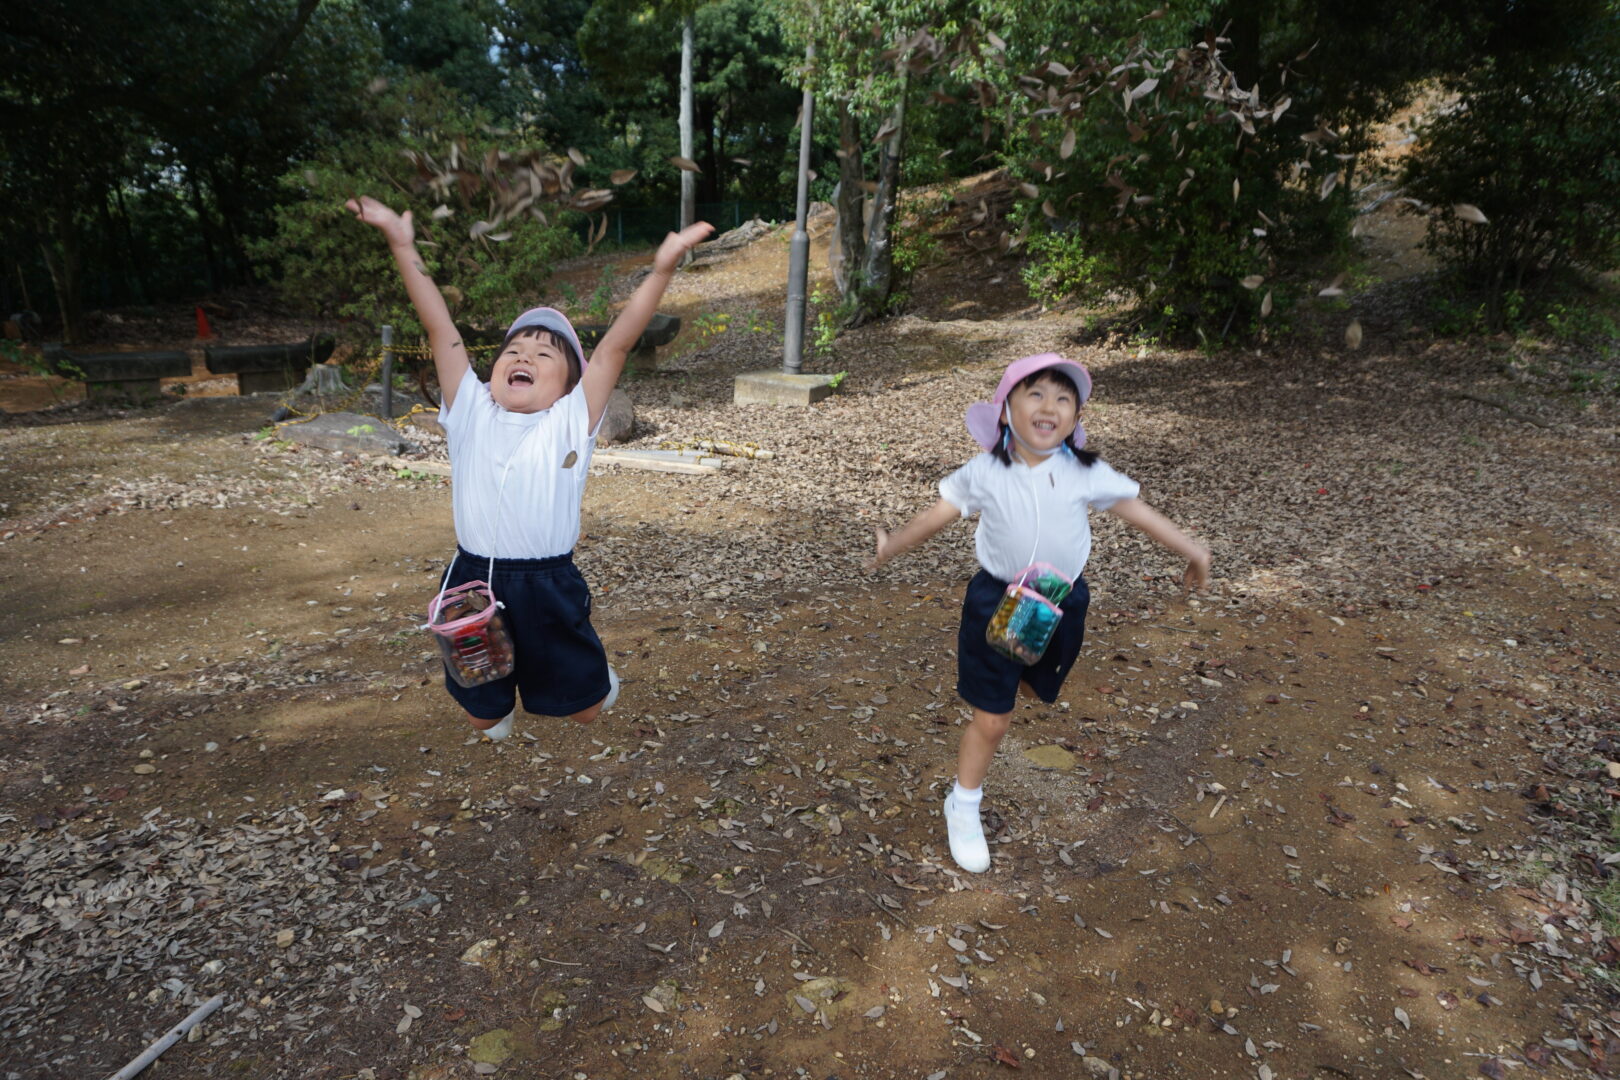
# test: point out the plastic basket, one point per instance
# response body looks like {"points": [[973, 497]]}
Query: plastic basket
{"points": [[1023, 623], [472, 635]]}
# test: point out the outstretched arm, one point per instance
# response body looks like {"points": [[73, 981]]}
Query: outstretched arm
{"points": [[1141, 516], [449, 354], [912, 533], [607, 360]]}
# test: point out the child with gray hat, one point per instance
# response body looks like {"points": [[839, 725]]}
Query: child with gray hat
{"points": [[520, 448]]}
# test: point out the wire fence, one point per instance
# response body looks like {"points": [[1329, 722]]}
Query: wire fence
{"points": [[636, 226]]}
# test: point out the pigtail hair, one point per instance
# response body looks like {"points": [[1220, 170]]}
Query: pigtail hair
{"points": [[1003, 453]]}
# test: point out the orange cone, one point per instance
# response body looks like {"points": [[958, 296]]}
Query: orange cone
{"points": [[204, 331]]}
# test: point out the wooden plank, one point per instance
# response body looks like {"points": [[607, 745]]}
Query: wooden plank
{"points": [[666, 461], [431, 468]]}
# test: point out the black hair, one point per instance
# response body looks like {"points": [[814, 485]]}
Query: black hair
{"points": [[562, 343], [1061, 377]]}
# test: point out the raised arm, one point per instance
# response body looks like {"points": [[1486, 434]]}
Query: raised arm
{"points": [[449, 354], [1139, 515], [607, 361], [912, 533]]}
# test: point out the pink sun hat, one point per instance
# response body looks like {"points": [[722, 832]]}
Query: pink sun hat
{"points": [[984, 417], [549, 319]]}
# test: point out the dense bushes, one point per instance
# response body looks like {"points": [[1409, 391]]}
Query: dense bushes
{"points": [[331, 264], [1533, 145]]}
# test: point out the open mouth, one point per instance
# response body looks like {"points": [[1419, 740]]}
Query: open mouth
{"points": [[520, 378]]}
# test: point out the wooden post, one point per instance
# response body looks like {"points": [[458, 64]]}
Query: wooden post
{"points": [[388, 372]]}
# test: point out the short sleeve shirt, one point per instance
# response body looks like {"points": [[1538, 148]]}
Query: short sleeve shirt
{"points": [[537, 514], [1030, 514]]}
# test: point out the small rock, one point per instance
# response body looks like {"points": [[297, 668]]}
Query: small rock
{"points": [[422, 903], [1096, 1066], [481, 952], [284, 938], [1050, 756], [134, 684], [145, 770], [492, 1047], [1614, 770]]}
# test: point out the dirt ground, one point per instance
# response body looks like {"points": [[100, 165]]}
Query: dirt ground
{"points": [[1305, 825]]}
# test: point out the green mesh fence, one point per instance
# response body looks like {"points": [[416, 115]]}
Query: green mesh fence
{"points": [[638, 226]]}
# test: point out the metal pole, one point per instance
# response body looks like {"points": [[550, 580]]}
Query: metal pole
{"points": [[150, 1054], [388, 373], [799, 249], [688, 180]]}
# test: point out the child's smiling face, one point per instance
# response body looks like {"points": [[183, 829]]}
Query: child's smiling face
{"points": [[531, 374], [1043, 416]]}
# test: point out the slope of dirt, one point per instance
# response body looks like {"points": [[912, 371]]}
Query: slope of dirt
{"points": [[1279, 830]]}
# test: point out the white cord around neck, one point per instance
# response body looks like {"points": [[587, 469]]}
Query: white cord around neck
{"points": [[489, 523]]}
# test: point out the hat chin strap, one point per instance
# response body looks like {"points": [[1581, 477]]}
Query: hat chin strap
{"points": [[1060, 448]]}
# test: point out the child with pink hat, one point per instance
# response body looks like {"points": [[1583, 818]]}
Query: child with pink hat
{"points": [[520, 448], [1023, 618]]}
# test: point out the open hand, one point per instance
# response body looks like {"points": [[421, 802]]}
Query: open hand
{"points": [[396, 228], [1196, 576], [885, 549], [676, 245]]}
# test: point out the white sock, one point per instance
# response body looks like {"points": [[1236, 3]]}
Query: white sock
{"points": [[613, 689], [966, 798], [500, 730]]}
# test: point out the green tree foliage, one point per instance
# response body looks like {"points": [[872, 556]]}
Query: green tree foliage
{"points": [[873, 60], [744, 112], [116, 114], [427, 151], [1151, 171], [455, 41], [1522, 170]]}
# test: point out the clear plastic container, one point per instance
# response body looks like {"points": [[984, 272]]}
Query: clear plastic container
{"points": [[472, 635], [1023, 623]]}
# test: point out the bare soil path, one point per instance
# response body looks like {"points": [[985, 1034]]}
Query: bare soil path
{"points": [[1281, 831]]}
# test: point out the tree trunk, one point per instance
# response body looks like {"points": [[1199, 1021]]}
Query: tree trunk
{"points": [[203, 230], [877, 268], [850, 250], [61, 254], [132, 253], [688, 180]]}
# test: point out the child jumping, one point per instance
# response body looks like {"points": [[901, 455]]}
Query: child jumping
{"points": [[1032, 489], [520, 448]]}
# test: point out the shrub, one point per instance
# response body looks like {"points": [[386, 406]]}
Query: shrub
{"points": [[336, 267], [1190, 199], [1520, 174]]}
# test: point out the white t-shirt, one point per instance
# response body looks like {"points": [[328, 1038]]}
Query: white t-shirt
{"points": [[537, 516], [1030, 514]]}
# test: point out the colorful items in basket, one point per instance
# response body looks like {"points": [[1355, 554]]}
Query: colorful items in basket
{"points": [[1023, 623], [471, 631]]}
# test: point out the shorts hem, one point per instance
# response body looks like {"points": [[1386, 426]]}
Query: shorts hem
{"points": [[571, 708]]}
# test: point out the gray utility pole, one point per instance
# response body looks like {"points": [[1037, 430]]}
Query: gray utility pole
{"points": [[688, 179], [799, 249]]}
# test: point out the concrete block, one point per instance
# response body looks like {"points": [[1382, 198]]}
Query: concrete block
{"points": [[780, 388], [348, 433]]}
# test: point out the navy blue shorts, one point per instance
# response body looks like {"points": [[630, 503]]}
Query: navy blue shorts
{"points": [[561, 667], [987, 680]]}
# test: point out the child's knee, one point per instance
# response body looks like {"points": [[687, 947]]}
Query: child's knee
{"points": [[992, 725], [585, 716]]}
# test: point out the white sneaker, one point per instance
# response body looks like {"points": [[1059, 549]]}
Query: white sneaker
{"points": [[500, 730], [613, 689], [966, 832]]}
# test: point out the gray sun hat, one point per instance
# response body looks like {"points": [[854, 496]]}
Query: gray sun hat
{"points": [[546, 318]]}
